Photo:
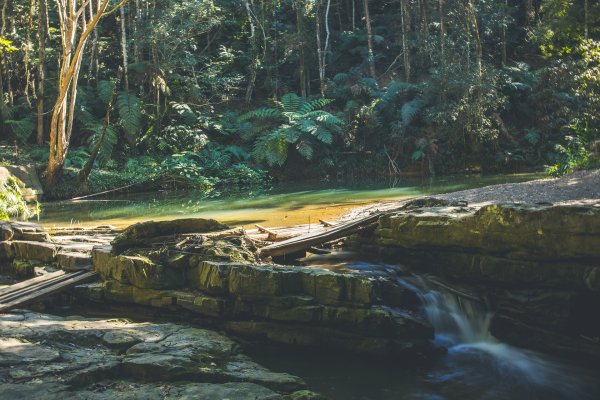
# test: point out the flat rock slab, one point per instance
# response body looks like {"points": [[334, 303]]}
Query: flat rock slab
{"points": [[49, 357]]}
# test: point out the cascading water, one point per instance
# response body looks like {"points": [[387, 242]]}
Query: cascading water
{"points": [[476, 366], [462, 326]]}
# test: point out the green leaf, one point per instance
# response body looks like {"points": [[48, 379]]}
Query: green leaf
{"points": [[130, 112], [105, 89]]}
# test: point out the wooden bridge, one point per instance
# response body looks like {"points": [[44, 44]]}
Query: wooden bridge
{"points": [[34, 289]]}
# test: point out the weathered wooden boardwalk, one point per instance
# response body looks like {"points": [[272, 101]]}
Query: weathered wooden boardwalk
{"points": [[34, 289]]}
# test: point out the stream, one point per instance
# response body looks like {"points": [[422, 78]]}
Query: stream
{"points": [[475, 366], [282, 205]]}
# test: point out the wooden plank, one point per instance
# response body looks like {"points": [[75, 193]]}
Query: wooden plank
{"points": [[63, 285], [35, 287], [29, 282], [306, 241]]}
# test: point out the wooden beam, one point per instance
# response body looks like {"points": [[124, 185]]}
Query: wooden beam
{"points": [[306, 241], [29, 282], [36, 286], [72, 280]]}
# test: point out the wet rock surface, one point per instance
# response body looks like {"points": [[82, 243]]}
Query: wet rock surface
{"points": [[49, 357]]}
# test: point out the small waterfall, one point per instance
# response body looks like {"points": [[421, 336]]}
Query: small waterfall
{"points": [[456, 320], [462, 326]]}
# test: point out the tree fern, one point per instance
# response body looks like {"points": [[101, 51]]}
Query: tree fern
{"points": [[264, 113], [130, 112], [291, 121]]}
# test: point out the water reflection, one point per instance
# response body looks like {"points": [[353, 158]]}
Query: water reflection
{"points": [[288, 204]]}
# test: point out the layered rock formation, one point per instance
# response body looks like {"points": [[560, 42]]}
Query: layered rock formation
{"points": [[219, 277], [539, 264]]}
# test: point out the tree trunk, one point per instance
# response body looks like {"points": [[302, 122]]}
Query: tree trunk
{"points": [[475, 27], [370, 40], [320, 55], [73, 45], [405, 49], [504, 55], [301, 64], [124, 46], [42, 22], [253, 53], [586, 15], [442, 31]]}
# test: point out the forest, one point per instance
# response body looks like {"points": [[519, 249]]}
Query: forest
{"points": [[204, 93]]}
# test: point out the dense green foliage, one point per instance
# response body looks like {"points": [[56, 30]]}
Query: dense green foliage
{"points": [[12, 203], [218, 91]]}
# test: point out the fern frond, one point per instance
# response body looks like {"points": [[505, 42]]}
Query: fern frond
{"points": [[410, 110], [130, 111], [265, 113], [291, 102], [105, 89], [314, 105], [305, 149]]}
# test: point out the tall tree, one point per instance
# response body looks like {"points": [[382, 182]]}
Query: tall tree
{"points": [[369, 40], [405, 50], [75, 27], [42, 23]]}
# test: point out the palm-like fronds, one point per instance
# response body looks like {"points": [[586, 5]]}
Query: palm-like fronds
{"points": [[291, 121]]}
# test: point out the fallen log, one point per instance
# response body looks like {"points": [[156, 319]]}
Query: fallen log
{"points": [[306, 241]]}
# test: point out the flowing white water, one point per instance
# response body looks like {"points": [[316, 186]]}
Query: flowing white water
{"points": [[463, 327]]}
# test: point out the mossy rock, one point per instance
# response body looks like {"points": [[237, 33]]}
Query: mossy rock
{"points": [[138, 234]]}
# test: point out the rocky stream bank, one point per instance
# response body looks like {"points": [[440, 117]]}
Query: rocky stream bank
{"points": [[534, 267]]}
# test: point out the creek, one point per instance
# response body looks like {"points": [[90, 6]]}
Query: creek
{"points": [[283, 205], [475, 365]]}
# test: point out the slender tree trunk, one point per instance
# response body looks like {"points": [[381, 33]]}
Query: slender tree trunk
{"points": [[442, 31], [253, 53], [370, 40], [42, 21], [2, 33], [586, 12], [124, 46], [405, 49], [327, 35], [301, 64], [29, 79], [84, 173], [353, 15], [475, 28], [320, 55], [504, 55]]}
